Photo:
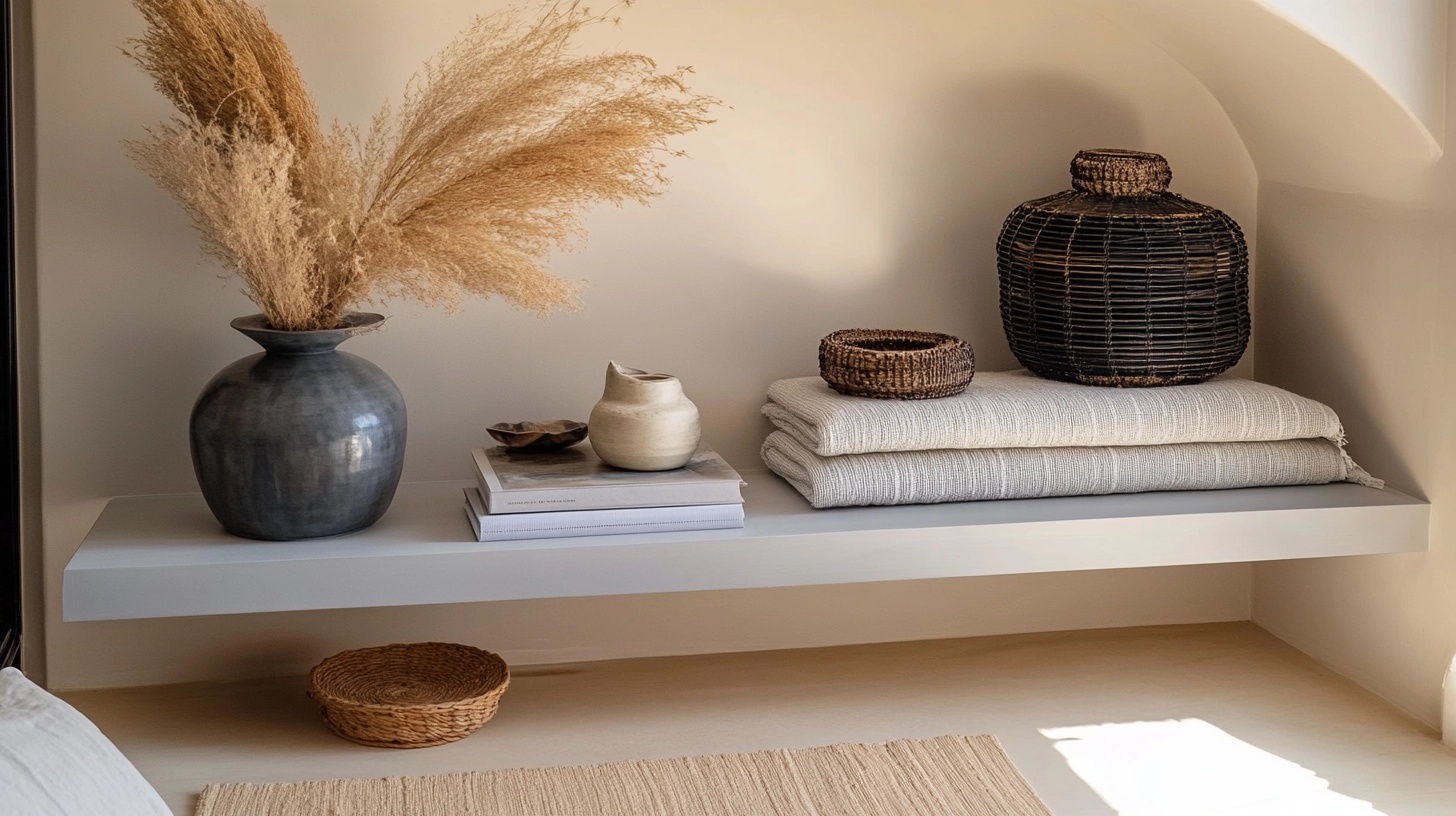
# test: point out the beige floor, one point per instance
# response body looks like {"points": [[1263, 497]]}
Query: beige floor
{"points": [[1217, 719]]}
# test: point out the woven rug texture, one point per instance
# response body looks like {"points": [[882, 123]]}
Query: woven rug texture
{"points": [[946, 776]]}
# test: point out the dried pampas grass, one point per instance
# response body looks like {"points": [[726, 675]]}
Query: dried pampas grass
{"points": [[496, 150]]}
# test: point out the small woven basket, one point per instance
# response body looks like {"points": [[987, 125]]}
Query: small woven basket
{"points": [[409, 695], [895, 364]]}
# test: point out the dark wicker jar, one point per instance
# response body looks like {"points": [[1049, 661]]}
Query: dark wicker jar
{"points": [[1120, 282]]}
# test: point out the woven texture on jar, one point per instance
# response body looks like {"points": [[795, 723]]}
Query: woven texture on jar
{"points": [[895, 364], [1123, 290], [409, 695]]}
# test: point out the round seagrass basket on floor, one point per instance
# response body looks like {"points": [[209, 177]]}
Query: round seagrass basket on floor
{"points": [[1120, 282], [409, 695], [895, 364]]}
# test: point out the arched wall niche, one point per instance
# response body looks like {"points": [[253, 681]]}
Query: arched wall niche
{"points": [[859, 179], [1338, 95]]}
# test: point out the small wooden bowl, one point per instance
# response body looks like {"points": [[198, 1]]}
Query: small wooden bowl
{"points": [[546, 434], [409, 695]]}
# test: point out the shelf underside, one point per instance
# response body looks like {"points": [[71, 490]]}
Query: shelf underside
{"points": [[165, 556]]}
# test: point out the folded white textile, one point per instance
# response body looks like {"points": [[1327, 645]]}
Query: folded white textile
{"points": [[54, 762], [925, 477], [1018, 409]]}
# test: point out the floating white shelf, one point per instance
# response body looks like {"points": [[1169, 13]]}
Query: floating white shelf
{"points": [[165, 556]]}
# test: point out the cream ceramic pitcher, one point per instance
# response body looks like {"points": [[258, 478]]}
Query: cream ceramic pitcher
{"points": [[643, 421]]}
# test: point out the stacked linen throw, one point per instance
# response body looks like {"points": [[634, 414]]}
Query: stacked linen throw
{"points": [[1014, 435]]}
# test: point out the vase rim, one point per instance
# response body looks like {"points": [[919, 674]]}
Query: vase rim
{"points": [[354, 323], [637, 374], [312, 341]]}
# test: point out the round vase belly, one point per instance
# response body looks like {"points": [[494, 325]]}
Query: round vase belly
{"points": [[643, 421], [301, 441]]}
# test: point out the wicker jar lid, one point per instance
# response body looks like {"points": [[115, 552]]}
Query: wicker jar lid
{"points": [[409, 695], [1113, 172], [895, 363]]}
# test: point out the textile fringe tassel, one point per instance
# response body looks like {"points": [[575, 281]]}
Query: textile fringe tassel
{"points": [[1357, 474]]}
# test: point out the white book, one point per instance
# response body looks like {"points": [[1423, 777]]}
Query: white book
{"points": [[576, 479], [569, 523]]}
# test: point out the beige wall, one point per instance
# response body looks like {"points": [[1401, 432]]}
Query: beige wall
{"points": [[1355, 290], [858, 179], [1355, 308]]}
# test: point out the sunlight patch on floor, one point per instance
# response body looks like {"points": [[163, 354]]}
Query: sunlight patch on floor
{"points": [[1193, 768]]}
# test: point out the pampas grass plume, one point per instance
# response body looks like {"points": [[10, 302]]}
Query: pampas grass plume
{"points": [[486, 166]]}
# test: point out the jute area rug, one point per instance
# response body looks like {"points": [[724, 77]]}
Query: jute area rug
{"points": [[946, 776]]}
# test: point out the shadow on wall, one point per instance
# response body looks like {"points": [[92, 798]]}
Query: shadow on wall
{"points": [[1347, 312], [973, 154], [982, 149]]}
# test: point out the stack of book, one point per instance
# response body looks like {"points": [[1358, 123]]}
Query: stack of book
{"points": [[571, 492]]}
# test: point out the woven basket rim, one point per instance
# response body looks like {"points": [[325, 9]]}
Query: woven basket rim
{"points": [[488, 660], [940, 341]]}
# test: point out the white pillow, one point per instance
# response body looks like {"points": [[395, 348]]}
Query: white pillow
{"points": [[54, 762]]}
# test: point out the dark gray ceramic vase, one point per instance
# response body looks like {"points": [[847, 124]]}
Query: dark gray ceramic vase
{"points": [[301, 441]]}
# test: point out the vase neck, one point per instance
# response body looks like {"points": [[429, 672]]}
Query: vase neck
{"points": [[635, 385], [319, 341]]}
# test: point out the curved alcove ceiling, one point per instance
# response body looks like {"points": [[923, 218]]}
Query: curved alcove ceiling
{"points": [[1401, 44], [1323, 94]]}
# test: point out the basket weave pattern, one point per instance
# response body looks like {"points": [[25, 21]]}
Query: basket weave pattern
{"points": [[895, 364], [409, 695], [1119, 282]]}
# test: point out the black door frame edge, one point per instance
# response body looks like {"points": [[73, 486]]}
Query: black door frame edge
{"points": [[11, 609]]}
